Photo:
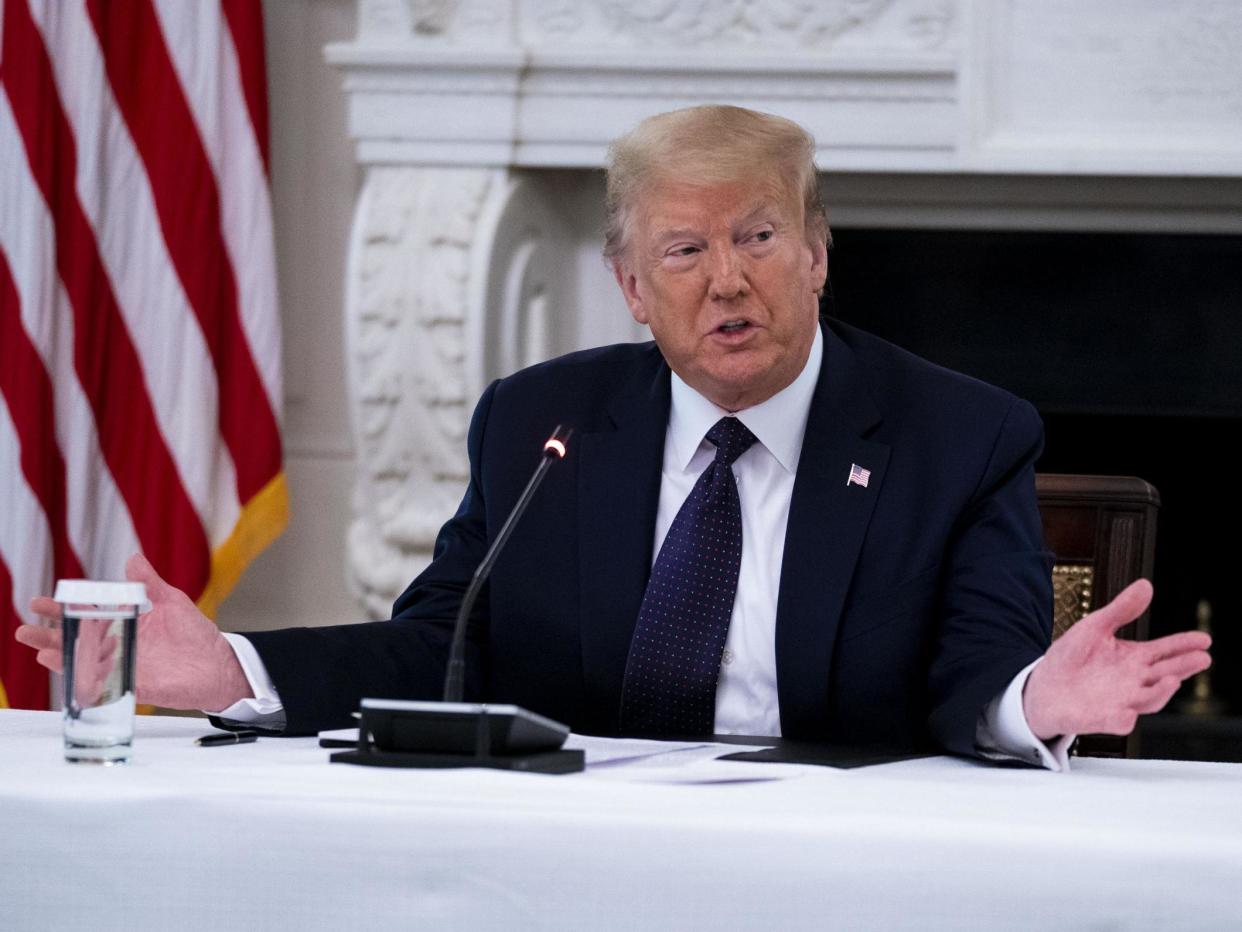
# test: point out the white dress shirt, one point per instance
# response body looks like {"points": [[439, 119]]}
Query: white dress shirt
{"points": [[746, 693], [746, 690]]}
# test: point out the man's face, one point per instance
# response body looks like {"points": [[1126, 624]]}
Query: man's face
{"points": [[728, 283]]}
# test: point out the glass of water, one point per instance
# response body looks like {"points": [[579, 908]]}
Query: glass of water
{"points": [[99, 626]]}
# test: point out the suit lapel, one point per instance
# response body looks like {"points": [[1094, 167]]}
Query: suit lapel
{"points": [[828, 520], [618, 494]]}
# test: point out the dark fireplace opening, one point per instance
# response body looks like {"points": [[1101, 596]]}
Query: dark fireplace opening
{"points": [[1130, 346]]}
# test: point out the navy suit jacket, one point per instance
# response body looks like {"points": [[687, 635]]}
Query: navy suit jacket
{"points": [[903, 607]]}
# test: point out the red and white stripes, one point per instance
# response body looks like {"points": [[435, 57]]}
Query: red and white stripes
{"points": [[139, 338]]}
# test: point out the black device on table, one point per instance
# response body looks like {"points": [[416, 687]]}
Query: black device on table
{"points": [[452, 733]]}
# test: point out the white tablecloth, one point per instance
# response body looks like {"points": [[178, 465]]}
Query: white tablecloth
{"points": [[270, 836]]}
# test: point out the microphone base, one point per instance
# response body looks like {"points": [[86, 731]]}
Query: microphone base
{"points": [[551, 762], [440, 735]]}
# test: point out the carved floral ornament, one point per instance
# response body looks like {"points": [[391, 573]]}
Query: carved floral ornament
{"points": [[810, 24], [411, 403]]}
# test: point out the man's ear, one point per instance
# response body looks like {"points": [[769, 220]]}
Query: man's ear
{"points": [[819, 264], [628, 283]]}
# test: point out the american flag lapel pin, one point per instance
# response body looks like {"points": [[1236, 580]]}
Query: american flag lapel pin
{"points": [[858, 476]]}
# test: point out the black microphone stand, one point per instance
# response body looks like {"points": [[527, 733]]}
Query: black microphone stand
{"points": [[452, 733]]}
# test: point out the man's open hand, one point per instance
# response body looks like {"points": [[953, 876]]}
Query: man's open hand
{"points": [[1091, 681], [183, 660]]}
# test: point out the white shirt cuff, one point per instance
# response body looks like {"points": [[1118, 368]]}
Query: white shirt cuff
{"points": [[265, 708], [1003, 732]]}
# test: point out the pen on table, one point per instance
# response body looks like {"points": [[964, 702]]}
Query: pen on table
{"points": [[227, 737]]}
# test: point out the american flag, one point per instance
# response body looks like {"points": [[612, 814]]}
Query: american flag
{"points": [[140, 380], [858, 476]]}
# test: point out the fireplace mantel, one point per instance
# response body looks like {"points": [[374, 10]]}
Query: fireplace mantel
{"points": [[1143, 87], [462, 267]]}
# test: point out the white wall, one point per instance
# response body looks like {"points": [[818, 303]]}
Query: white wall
{"points": [[301, 578]]}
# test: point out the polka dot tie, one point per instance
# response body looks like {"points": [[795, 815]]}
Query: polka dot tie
{"points": [[670, 679]]}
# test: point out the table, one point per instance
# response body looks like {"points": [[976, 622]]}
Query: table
{"points": [[270, 836]]}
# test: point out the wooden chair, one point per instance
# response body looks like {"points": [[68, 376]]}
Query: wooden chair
{"points": [[1102, 532]]}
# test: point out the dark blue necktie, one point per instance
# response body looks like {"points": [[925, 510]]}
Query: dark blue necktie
{"points": [[670, 679]]}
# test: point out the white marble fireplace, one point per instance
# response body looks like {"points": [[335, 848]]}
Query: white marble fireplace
{"points": [[481, 125]]}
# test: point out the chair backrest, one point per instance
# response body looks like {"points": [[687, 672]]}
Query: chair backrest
{"points": [[1102, 533]]}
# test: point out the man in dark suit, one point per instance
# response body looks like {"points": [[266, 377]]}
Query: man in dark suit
{"points": [[765, 523], [890, 615]]}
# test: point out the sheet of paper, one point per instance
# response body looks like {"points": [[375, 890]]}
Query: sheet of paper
{"points": [[611, 751], [697, 772], [634, 760]]}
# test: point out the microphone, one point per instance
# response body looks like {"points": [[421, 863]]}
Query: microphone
{"points": [[553, 450], [452, 733]]}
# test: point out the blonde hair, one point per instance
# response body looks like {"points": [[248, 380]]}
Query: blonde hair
{"points": [[711, 144]]}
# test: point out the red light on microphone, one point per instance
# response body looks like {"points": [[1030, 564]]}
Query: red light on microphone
{"points": [[555, 445]]}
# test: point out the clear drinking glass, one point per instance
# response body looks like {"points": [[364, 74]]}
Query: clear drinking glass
{"points": [[99, 624]]}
